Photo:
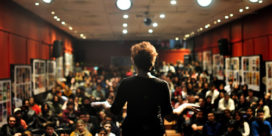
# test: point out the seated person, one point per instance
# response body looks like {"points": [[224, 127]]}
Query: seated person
{"points": [[11, 129], [80, 129], [49, 130]]}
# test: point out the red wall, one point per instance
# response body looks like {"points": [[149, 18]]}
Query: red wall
{"points": [[250, 35], [171, 56], [24, 36]]}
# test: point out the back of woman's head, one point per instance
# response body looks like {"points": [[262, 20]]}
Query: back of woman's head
{"points": [[144, 55]]}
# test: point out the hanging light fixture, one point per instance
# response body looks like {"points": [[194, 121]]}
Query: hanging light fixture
{"points": [[123, 4]]}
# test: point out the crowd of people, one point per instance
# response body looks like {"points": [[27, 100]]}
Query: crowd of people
{"points": [[79, 105]]}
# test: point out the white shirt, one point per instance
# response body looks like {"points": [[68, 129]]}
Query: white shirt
{"points": [[223, 105], [214, 94]]}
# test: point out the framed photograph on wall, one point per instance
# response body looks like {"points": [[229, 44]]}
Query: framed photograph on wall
{"points": [[232, 69], [268, 76], [250, 72], [218, 66], [39, 76], [22, 85], [5, 100], [59, 67], [51, 73], [207, 61]]}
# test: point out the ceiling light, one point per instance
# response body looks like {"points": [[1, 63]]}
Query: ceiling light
{"points": [[150, 31], [247, 7], [187, 35], [147, 21], [231, 15], [47, 1], [155, 24], [70, 28], [123, 4], [200, 28], [215, 22], [37, 4], [125, 24], [207, 26], [260, 1], [173, 2], [58, 19], [177, 38], [125, 16], [218, 20], [162, 15], [226, 17], [125, 31], [253, 1], [81, 35], [241, 10], [63, 23], [204, 3], [55, 17], [53, 12]]}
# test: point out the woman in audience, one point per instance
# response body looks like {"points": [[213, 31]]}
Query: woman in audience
{"points": [[264, 107], [242, 126], [80, 129]]}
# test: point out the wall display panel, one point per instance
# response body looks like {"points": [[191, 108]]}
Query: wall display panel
{"points": [[39, 76], [69, 66], [5, 101], [207, 61], [51, 73], [218, 66], [199, 56], [250, 71], [232, 69], [22, 86], [268, 69], [59, 67]]}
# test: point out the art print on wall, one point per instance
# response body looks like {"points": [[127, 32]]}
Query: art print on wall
{"points": [[51, 74], [5, 101], [69, 65], [251, 72], [218, 66], [232, 69], [39, 76], [268, 68], [207, 61], [22, 86]]}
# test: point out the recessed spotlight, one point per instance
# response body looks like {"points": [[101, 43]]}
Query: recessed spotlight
{"points": [[260, 1], [81, 35], [162, 15], [123, 4], [253, 1], [48, 1], [214, 22], [125, 31], [155, 24], [70, 28], [241, 10], [58, 19], [176, 38], [125, 16], [55, 17], [125, 24], [204, 3], [247, 7], [200, 28], [53, 12], [63, 23], [187, 35], [226, 17], [150, 31], [37, 4], [207, 26], [231, 15], [218, 20], [173, 2]]}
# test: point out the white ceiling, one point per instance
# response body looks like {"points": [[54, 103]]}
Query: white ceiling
{"points": [[101, 20]]}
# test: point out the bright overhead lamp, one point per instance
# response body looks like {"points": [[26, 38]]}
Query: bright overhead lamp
{"points": [[125, 31], [48, 1], [123, 4], [247, 7], [226, 17], [37, 4], [162, 16], [204, 3], [125, 25], [150, 31], [176, 38], [155, 24], [253, 1], [173, 2], [260, 1], [125, 16], [241, 10]]}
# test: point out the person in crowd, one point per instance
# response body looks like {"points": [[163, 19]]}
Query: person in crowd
{"points": [[80, 129], [229, 87], [198, 124], [86, 107], [251, 98], [212, 127], [213, 92], [56, 106], [47, 114], [250, 115], [102, 132], [242, 104], [69, 115], [34, 106], [27, 133], [261, 127], [241, 125], [50, 130], [142, 88], [221, 88], [19, 120], [226, 118], [107, 126], [232, 131], [11, 129], [244, 90], [264, 107], [99, 93], [226, 103], [91, 122]]}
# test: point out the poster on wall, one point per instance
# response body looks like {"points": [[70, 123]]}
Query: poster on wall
{"points": [[59, 67], [207, 61], [51, 74], [250, 70], [199, 57], [232, 69], [5, 101], [22, 86], [69, 66], [268, 68], [39, 76], [218, 66]]}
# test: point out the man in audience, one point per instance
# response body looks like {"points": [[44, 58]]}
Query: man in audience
{"points": [[261, 127], [49, 130], [11, 129], [226, 103], [212, 127]]}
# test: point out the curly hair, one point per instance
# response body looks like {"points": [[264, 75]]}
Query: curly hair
{"points": [[144, 55]]}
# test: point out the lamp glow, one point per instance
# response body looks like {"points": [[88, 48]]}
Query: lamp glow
{"points": [[204, 3], [123, 4]]}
